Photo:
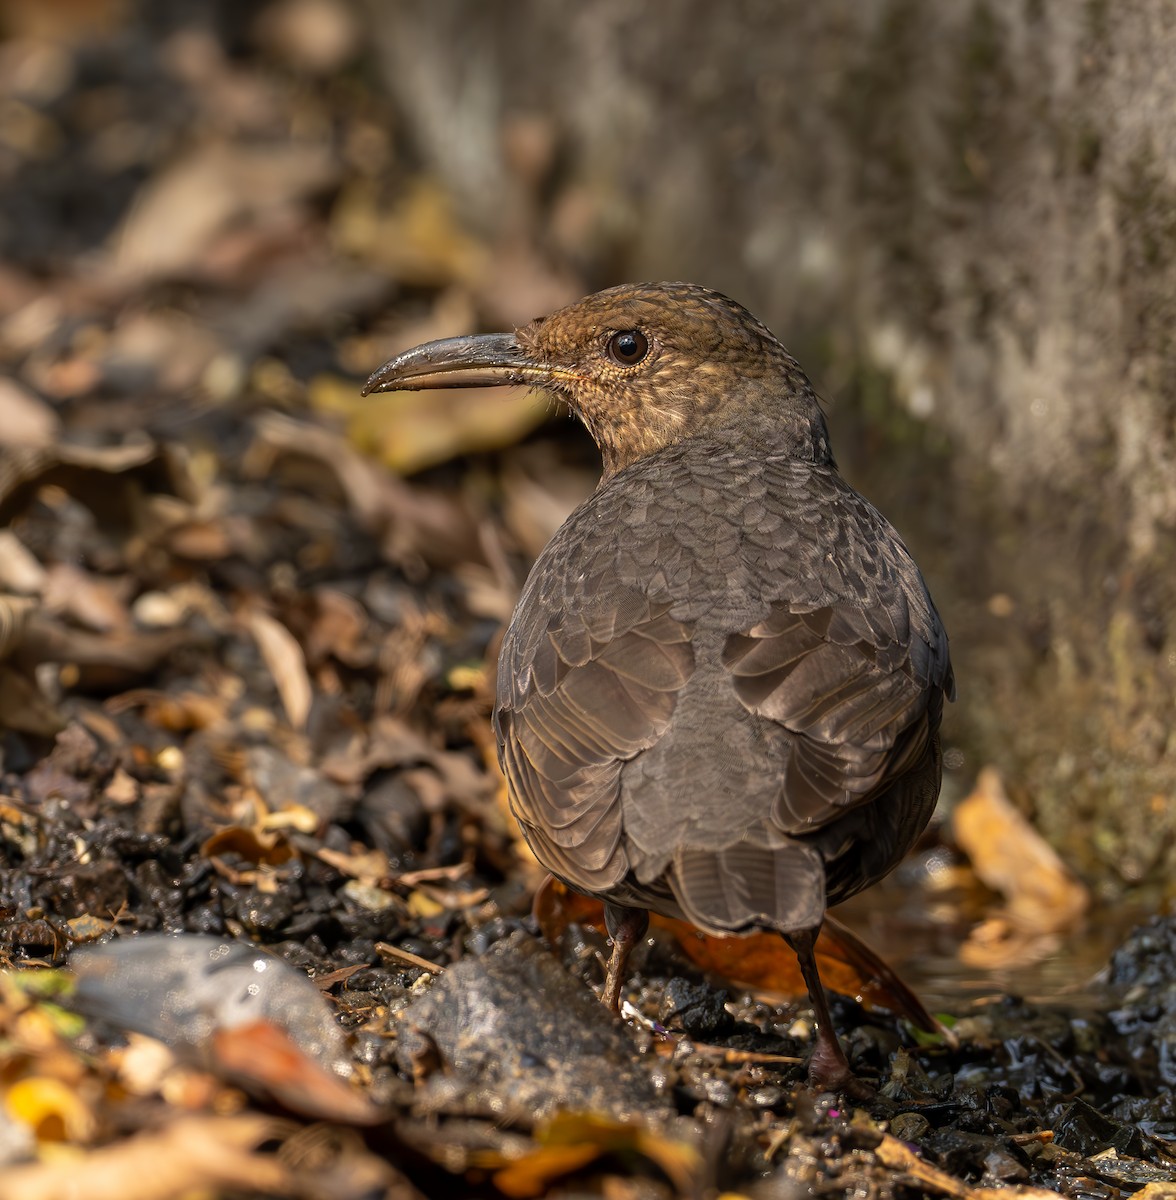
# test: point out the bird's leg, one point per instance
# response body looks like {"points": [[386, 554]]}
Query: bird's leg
{"points": [[828, 1069], [626, 927]]}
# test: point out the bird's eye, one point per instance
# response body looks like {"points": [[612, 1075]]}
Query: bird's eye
{"points": [[628, 347]]}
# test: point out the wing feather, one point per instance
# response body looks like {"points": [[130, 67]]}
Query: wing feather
{"points": [[574, 709]]}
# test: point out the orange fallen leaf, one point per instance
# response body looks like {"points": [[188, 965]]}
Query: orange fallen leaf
{"points": [[760, 961], [262, 1056], [534, 1173], [570, 1141], [1042, 897], [1012, 858]]}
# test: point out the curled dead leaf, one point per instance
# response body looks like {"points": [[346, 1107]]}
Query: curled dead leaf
{"points": [[25, 420], [20, 571], [253, 845]]}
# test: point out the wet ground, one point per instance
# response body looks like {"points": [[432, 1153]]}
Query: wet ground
{"points": [[476, 1060]]}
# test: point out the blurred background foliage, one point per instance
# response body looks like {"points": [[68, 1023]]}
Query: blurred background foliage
{"points": [[216, 217]]}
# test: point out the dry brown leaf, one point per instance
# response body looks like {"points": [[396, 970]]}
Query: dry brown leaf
{"points": [[316, 36], [177, 712], [417, 241], [24, 708], [94, 601], [24, 419], [130, 652], [189, 1154], [122, 789], [1156, 1191], [368, 866], [20, 571], [339, 629], [398, 953], [107, 479], [181, 211], [167, 347], [410, 431], [284, 658], [15, 613], [250, 844], [996, 943], [88, 928], [1012, 858], [267, 1058], [416, 524]]}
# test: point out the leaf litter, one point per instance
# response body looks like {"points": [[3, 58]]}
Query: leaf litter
{"points": [[245, 680]]}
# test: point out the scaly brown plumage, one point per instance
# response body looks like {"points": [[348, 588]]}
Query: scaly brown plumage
{"points": [[720, 692]]}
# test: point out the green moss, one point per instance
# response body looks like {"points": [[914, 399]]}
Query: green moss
{"points": [[1088, 148], [1098, 24], [1146, 220], [1147, 212], [976, 121], [875, 109]]}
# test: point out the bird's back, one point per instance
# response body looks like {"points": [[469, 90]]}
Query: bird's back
{"points": [[720, 690]]}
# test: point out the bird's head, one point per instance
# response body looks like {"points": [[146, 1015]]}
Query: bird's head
{"points": [[643, 366]]}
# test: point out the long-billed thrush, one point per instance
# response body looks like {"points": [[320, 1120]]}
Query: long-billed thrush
{"points": [[720, 694]]}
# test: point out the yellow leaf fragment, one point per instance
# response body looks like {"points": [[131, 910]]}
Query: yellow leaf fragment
{"points": [[51, 1108]]}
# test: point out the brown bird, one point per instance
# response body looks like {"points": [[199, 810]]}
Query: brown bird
{"points": [[720, 693]]}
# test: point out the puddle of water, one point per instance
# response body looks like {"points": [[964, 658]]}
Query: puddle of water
{"points": [[919, 929]]}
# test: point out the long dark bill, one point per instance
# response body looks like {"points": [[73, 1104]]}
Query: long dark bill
{"points": [[485, 360]]}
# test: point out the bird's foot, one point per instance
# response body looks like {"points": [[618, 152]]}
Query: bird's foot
{"points": [[828, 1071], [626, 927]]}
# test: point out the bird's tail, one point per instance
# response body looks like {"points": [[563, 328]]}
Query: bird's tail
{"points": [[746, 884]]}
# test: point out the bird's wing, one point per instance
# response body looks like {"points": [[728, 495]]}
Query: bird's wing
{"points": [[841, 652], [859, 690], [577, 697]]}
